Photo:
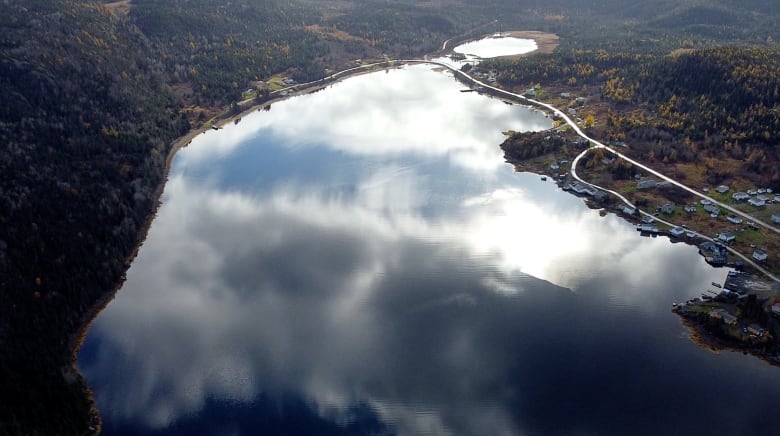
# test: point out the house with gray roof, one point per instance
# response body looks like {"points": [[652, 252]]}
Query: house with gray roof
{"points": [[734, 219], [727, 237], [760, 255]]}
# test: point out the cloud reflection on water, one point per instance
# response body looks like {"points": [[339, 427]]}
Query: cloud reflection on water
{"points": [[361, 295], [413, 112]]}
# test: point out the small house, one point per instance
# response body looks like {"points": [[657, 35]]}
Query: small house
{"points": [[648, 228], [734, 219], [740, 196], [760, 255], [647, 219], [565, 95], [726, 237], [711, 209], [580, 100], [677, 232], [756, 202], [690, 208], [776, 309], [722, 189], [628, 210], [646, 184], [667, 208], [776, 218], [705, 202]]}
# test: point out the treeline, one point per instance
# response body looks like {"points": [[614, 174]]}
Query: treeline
{"points": [[86, 120], [217, 48]]}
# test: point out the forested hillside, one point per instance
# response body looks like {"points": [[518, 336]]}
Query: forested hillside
{"points": [[693, 104], [93, 95], [85, 124]]}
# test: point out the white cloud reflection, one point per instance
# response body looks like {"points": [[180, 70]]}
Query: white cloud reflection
{"points": [[432, 319], [497, 46], [233, 296], [413, 112]]}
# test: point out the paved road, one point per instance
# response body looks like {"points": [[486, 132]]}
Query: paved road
{"points": [[595, 144]]}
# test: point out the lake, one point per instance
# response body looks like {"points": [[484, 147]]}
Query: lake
{"points": [[496, 46], [361, 260]]}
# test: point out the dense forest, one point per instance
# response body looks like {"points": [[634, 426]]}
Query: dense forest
{"points": [[95, 92], [690, 105]]}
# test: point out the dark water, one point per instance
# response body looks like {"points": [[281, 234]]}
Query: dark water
{"points": [[361, 261]]}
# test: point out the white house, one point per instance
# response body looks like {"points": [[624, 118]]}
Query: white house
{"points": [[726, 237], [734, 219], [757, 202], [760, 255], [776, 218], [740, 196], [722, 189], [677, 232]]}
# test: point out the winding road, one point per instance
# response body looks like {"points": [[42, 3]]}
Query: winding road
{"points": [[307, 87], [596, 144]]}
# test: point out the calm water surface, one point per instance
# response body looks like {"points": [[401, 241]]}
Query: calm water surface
{"points": [[362, 261], [497, 46]]}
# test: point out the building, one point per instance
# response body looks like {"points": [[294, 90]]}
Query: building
{"points": [[705, 202], [740, 196], [711, 209], [667, 208], [677, 232], [776, 218], [722, 189], [646, 184], [628, 210], [647, 219], [776, 309], [726, 237], [722, 315], [581, 189], [690, 208], [757, 202], [565, 95], [648, 228], [734, 219], [760, 255]]}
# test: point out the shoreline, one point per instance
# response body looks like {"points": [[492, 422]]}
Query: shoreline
{"points": [[76, 340], [224, 118]]}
